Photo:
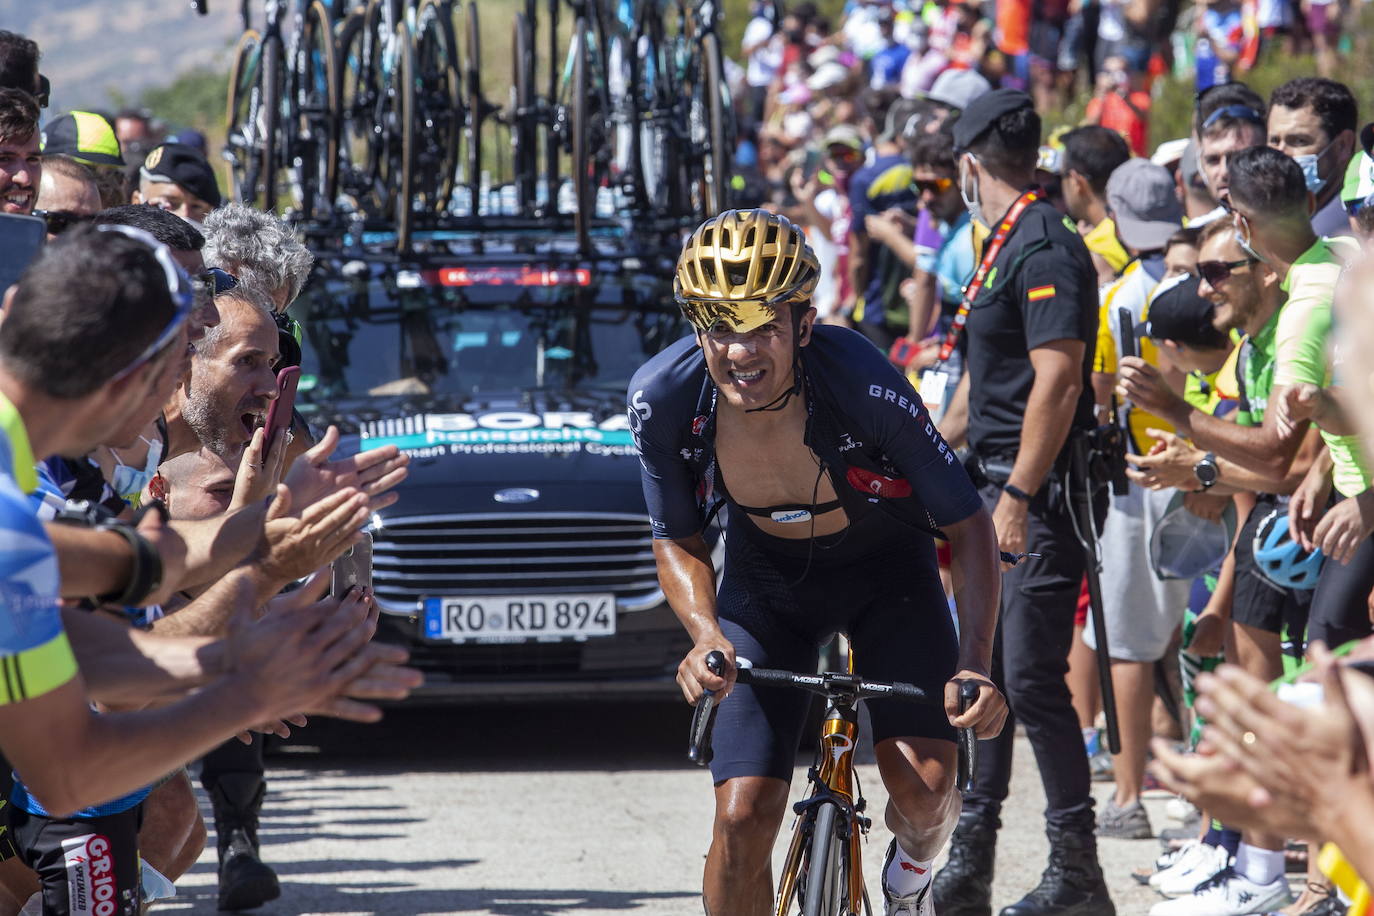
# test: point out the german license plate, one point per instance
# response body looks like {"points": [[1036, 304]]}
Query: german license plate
{"points": [[509, 618]]}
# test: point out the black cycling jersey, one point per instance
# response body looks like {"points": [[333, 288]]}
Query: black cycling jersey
{"points": [[866, 424]]}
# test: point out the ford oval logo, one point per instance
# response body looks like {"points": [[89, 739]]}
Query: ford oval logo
{"points": [[516, 495]]}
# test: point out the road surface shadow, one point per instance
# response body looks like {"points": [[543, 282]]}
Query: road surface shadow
{"points": [[512, 737], [398, 899]]}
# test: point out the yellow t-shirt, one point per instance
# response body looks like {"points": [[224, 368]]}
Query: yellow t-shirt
{"points": [[1132, 290]]}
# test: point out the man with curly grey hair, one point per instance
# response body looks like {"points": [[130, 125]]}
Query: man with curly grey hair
{"points": [[260, 249]]}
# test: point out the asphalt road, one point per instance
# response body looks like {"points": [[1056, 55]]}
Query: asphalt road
{"points": [[555, 811]]}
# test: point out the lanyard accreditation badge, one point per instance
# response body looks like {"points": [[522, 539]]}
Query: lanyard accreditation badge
{"points": [[934, 380]]}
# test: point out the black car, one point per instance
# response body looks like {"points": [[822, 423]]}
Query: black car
{"points": [[517, 561]]}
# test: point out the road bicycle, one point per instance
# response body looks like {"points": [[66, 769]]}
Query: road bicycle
{"points": [[823, 868], [682, 148], [399, 107], [281, 133]]}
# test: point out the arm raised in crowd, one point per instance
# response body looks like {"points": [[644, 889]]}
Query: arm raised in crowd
{"points": [[71, 758], [1267, 449], [122, 665]]}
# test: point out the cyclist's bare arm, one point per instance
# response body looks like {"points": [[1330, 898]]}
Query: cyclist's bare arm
{"points": [[977, 576], [689, 583], [977, 596], [125, 666]]}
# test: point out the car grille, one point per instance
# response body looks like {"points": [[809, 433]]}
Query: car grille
{"points": [[508, 554]]}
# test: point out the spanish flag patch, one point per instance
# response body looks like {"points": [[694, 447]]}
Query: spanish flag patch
{"points": [[1041, 292]]}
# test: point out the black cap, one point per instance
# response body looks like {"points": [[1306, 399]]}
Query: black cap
{"points": [[184, 166], [984, 111], [1178, 313]]}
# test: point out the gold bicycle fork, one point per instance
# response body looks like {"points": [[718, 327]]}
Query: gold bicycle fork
{"points": [[835, 779]]}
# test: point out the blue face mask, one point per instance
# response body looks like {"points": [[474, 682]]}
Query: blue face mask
{"points": [[129, 482], [1308, 164]]}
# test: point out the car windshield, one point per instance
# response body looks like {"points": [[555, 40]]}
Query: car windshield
{"points": [[374, 338]]}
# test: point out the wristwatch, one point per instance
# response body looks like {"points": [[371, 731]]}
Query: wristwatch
{"points": [[1206, 471]]}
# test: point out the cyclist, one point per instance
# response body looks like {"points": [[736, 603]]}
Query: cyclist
{"points": [[832, 475]]}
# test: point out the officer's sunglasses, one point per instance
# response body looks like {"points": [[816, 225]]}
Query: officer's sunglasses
{"points": [[1215, 272], [59, 221]]}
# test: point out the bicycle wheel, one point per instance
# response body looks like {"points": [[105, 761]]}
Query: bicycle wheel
{"points": [[552, 144], [316, 74], [826, 867], [241, 128], [437, 101], [271, 114], [584, 192], [472, 124], [521, 115], [360, 90], [717, 177], [401, 155]]}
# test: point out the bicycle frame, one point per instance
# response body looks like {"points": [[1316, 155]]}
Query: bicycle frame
{"points": [[834, 783]]}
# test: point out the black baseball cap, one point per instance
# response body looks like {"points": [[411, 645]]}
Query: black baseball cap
{"points": [[984, 111], [185, 166], [1178, 313]]}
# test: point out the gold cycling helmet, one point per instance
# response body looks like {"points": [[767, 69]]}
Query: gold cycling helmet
{"points": [[740, 266]]}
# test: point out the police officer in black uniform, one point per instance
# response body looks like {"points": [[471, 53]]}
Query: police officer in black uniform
{"points": [[1031, 323]]}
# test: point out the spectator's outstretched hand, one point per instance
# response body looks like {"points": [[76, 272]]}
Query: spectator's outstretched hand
{"points": [[1169, 464], [303, 660], [294, 546], [260, 469], [1301, 765], [376, 472]]}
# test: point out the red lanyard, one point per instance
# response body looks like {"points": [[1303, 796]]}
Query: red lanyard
{"points": [[990, 253]]}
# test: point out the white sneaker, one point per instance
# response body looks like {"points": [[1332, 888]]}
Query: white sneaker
{"points": [[1179, 809], [1173, 857], [1228, 894], [1183, 877]]}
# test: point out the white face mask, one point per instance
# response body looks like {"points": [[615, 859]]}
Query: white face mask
{"points": [[129, 482], [968, 190]]}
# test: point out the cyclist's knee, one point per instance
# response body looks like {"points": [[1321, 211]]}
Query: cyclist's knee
{"points": [[750, 809], [919, 774]]}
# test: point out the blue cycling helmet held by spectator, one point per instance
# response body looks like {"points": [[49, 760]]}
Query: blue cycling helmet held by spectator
{"points": [[1282, 559]]}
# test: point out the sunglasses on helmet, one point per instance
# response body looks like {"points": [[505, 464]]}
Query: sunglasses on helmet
{"points": [[178, 286]]}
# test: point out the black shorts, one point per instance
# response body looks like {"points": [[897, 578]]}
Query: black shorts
{"points": [[781, 600], [1258, 602], [87, 866], [1340, 605]]}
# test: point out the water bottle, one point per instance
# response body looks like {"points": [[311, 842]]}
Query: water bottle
{"points": [[605, 203], [510, 201], [567, 197], [462, 200], [484, 194]]}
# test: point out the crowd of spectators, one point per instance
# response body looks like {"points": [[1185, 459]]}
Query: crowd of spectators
{"points": [[164, 558], [1226, 260]]}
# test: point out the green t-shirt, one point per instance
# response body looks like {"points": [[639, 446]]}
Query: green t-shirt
{"points": [[1301, 347], [1256, 372]]}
